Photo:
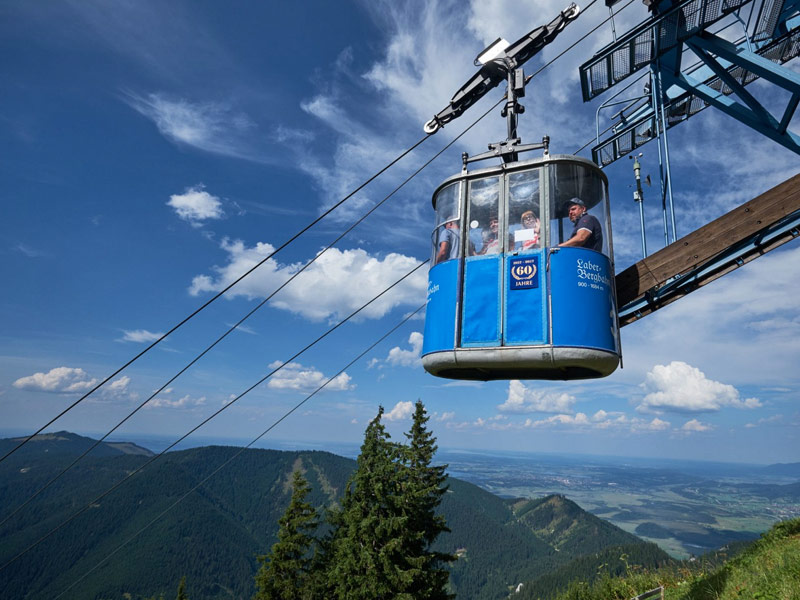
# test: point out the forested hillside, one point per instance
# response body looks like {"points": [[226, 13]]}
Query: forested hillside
{"points": [[214, 535], [568, 528]]}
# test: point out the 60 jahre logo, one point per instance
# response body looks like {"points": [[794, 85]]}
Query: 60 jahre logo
{"points": [[524, 273]]}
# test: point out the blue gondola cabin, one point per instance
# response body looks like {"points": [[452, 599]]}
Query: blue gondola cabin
{"points": [[505, 300]]}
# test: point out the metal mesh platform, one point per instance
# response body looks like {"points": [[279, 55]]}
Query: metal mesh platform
{"points": [[677, 110], [650, 40], [767, 19]]}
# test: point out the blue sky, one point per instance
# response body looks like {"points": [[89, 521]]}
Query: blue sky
{"points": [[153, 151]]}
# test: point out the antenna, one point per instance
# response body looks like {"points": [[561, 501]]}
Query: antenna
{"points": [[638, 197]]}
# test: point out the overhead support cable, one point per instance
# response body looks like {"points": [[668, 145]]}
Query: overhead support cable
{"points": [[240, 451], [209, 418], [214, 298], [446, 147], [247, 316], [425, 165], [541, 69]]}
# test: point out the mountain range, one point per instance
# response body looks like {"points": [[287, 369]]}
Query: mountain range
{"points": [[213, 535]]}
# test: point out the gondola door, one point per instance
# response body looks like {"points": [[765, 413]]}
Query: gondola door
{"points": [[481, 316], [525, 285], [504, 293]]}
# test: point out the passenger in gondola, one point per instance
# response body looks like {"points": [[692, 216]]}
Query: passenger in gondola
{"points": [[528, 237], [449, 241], [491, 243], [587, 232]]}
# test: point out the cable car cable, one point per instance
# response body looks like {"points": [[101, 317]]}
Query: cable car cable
{"points": [[240, 451], [247, 316], [261, 304], [284, 245], [207, 419], [217, 296]]}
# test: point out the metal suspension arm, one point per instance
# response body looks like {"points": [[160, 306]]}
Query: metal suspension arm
{"points": [[496, 70]]}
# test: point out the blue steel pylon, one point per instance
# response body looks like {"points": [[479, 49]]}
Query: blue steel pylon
{"points": [[720, 56], [719, 79]]}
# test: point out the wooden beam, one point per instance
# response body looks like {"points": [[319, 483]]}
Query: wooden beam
{"points": [[705, 243]]}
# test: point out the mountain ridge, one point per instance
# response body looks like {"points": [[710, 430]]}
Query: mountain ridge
{"points": [[213, 536]]}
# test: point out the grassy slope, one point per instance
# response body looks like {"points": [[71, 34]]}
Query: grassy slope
{"points": [[768, 570]]}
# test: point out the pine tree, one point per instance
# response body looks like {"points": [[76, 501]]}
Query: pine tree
{"points": [[368, 544], [182, 590], [285, 571], [380, 546], [423, 491]]}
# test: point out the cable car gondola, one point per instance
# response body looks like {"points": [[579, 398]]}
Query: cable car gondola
{"points": [[510, 295]]}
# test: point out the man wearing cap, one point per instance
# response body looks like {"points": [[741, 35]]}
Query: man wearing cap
{"points": [[587, 232], [449, 241]]}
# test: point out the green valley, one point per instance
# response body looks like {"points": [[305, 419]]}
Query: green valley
{"points": [[212, 537]]}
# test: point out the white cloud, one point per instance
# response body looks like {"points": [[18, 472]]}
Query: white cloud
{"points": [[119, 389], [209, 126], [397, 93], [720, 326], [120, 385], [655, 425], [695, 426], [140, 336], [602, 420], [427, 58], [336, 284], [765, 421], [28, 251], [619, 421], [430, 51], [445, 416], [407, 358], [495, 423], [244, 329], [679, 387], [67, 380], [580, 419], [196, 205], [294, 376], [186, 401], [522, 400], [401, 411], [61, 380]]}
